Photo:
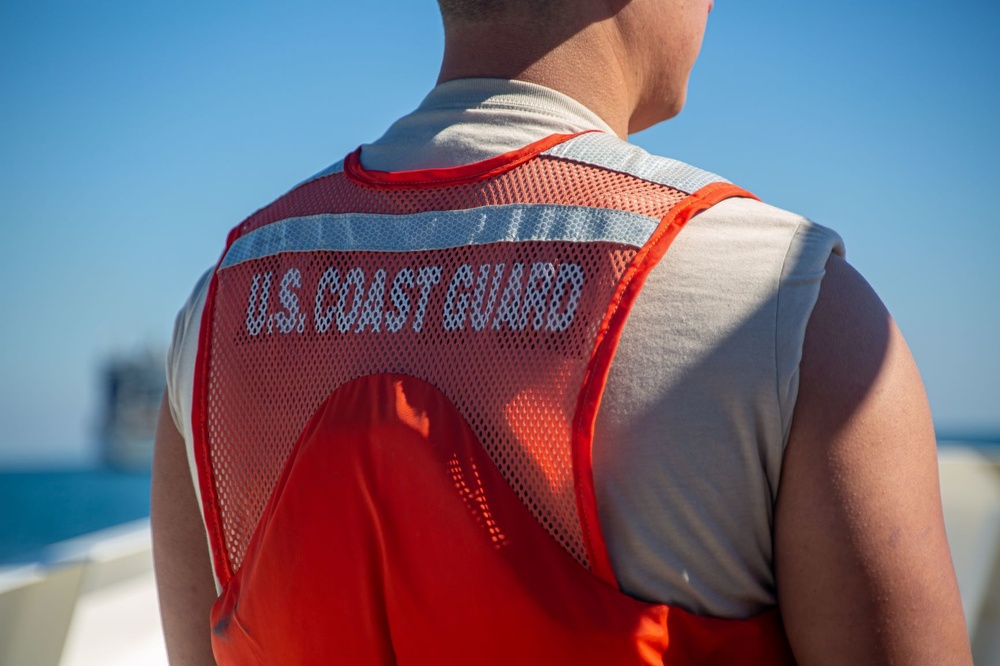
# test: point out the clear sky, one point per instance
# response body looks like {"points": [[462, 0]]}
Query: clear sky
{"points": [[133, 135]]}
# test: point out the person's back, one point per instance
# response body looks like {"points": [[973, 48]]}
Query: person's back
{"points": [[830, 419]]}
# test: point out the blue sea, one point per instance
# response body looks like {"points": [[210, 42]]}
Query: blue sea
{"points": [[41, 508]]}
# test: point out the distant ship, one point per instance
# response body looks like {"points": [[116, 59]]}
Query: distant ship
{"points": [[133, 387]]}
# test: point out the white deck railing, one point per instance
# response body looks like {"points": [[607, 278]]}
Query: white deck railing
{"points": [[90, 601]]}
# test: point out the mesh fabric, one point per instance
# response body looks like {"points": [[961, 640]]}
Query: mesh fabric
{"points": [[543, 180], [487, 324]]}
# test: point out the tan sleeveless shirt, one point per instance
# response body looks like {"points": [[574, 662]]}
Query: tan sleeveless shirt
{"points": [[698, 406]]}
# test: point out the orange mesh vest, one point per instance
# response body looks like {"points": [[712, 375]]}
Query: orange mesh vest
{"points": [[397, 381]]}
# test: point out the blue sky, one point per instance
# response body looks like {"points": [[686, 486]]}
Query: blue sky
{"points": [[133, 135]]}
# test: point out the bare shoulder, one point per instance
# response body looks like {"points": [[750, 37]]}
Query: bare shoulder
{"points": [[862, 564]]}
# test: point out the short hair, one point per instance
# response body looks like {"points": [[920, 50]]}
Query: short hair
{"points": [[469, 9], [478, 10]]}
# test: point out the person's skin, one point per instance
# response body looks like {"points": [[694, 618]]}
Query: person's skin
{"points": [[863, 569], [184, 579], [627, 61], [862, 565]]}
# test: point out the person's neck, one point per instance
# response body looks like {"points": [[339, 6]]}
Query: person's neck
{"points": [[588, 65]]}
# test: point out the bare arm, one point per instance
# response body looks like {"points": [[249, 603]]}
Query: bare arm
{"points": [[180, 551], [863, 568]]}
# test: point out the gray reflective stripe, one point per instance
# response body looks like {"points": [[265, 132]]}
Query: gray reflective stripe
{"points": [[610, 152], [440, 230]]}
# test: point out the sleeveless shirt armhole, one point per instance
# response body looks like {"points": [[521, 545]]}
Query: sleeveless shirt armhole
{"points": [[180, 368], [179, 354], [172, 369], [798, 289]]}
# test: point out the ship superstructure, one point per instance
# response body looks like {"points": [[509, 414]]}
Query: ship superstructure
{"points": [[133, 386]]}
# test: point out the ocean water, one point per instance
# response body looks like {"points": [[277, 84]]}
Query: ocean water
{"points": [[41, 508]]}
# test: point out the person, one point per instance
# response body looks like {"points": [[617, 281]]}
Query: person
{"points": [[763, 439]]}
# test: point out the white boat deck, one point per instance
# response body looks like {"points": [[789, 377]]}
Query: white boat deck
{"points": [[93, 600]]}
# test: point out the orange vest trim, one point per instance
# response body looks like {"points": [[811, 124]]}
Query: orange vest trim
{"points": [[604, 351], [397, 382]]}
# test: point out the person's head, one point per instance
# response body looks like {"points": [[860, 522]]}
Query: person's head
{"points": [[650, 46]]}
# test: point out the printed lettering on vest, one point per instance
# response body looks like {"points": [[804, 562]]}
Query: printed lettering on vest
{"points": [[291, 319], [257, 313], [456, 305], [482, 307], [569, 286], [400, 300], [371, 313], [477, 297]]}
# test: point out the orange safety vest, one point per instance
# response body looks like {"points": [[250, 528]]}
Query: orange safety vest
{"points": [[397, 381]]}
